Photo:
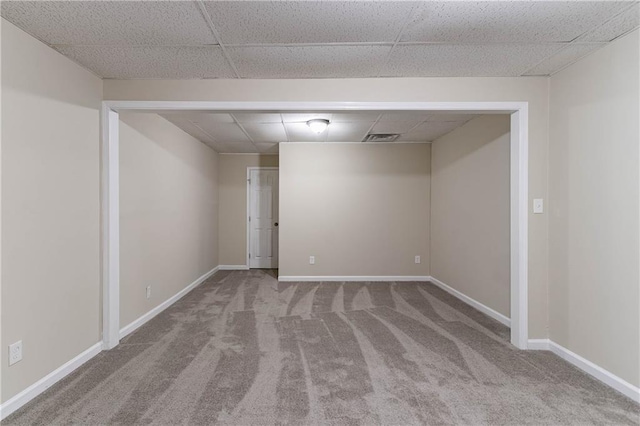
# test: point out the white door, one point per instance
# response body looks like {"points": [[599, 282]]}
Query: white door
{"points": [[263, 219]]}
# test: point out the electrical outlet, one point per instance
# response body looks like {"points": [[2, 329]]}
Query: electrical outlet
{"points": [[148, 292], [538, 206], [15, 352], [312, 260], [417, 259]]}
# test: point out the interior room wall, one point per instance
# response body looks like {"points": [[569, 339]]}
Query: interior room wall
{"points": [[233, 204], [470, 220], [50, 209], [533, 90], [360, 209], [594, 233], [168, 212]]}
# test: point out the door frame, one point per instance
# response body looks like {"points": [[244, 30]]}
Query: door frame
{"points": [[519, 188], [249, 169]]}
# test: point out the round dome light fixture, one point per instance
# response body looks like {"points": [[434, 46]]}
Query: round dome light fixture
{"points": [[318, 125]]}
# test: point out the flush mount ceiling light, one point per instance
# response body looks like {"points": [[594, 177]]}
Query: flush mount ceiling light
{"points": [[318, 125]]}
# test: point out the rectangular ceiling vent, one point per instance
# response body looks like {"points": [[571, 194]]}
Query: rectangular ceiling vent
{"points": [[381, 137]]}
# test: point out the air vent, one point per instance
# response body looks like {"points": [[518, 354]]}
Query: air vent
{"points": [[381, 137]]}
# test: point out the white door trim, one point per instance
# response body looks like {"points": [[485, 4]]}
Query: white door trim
{"points": [[249, 169], [519, 187]]}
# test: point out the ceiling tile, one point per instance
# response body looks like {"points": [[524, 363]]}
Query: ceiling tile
{"points": [[151, 62], [621, 24], [435, 116], [202, 117], [184, 124], [348, 117], [507, 21], [224, 132], [348, 132], [236, 147], [266, 132], [257, 117], [304, 117], [566, 56], [430, 131], [394, 126], [466, 60], [308, 21], [416, 116], [268, 148], [308, 61], [300, 132], [116, 23]]}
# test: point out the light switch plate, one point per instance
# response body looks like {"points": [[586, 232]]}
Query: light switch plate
{"points": [[15, 352], [312, 260], [538, 205], [417, 259]]}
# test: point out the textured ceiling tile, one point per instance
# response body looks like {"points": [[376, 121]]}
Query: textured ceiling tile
{"points": [[349, 117], [436, 116], [256, 117], [394, 126], [430, 131], [202, 117], [236, 147], [418, 116], [507, 21], [184, 124], [466, 60], [300, 132], [348, 132], [565, 57], [621, 24], [308, 61], [266, 132], [304, 117], [151, 62], [121, 23], [224, 132], [308, 22]]}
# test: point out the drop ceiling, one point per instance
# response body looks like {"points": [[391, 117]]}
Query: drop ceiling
{"points": [[323, 39], [250, 132]]}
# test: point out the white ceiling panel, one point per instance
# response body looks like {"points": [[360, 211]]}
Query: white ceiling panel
{"points": [[308, 21], [566, 56], [236, 147], [188, 127], [266, 132], [300, 132], [151, 61], [430, 131], [621, 24], [308, 61], [348, 132], [507, 21], [224, 132], [394, 126], [257, 117], [417, 116], [349, 117], [202, 117], [435, 116], [466, 60], [116, 23]]}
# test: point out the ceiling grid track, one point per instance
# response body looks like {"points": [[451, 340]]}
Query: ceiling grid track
{"points": [[212, 27], [237, 123], [397, 40]]}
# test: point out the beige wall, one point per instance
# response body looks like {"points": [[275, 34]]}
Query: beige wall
{"points": [[470, 210], [168, 212], [533, 90], [50, 208], [594, 208], [233, 204], [360, 209]]}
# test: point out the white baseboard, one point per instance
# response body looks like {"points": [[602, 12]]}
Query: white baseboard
{"points": [[588, 367], [130, 328], [352, 278], [47, 381], [233, 268], [538, 344], [469, 301]]}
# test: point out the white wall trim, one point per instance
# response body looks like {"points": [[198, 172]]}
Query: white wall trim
{"points": [[472, 302], [353, 278], [519, 187], [47, 381], [233, 267], [589, 367], [538, 344], [130, 328]]}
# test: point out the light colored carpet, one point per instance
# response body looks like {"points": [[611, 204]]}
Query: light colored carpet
{"points": [[244, 349]]}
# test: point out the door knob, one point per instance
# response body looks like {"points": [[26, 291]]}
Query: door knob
{"points": [[275, 224]]}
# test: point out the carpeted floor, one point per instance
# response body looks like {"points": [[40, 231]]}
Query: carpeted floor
{"points": [[244, 349]]}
